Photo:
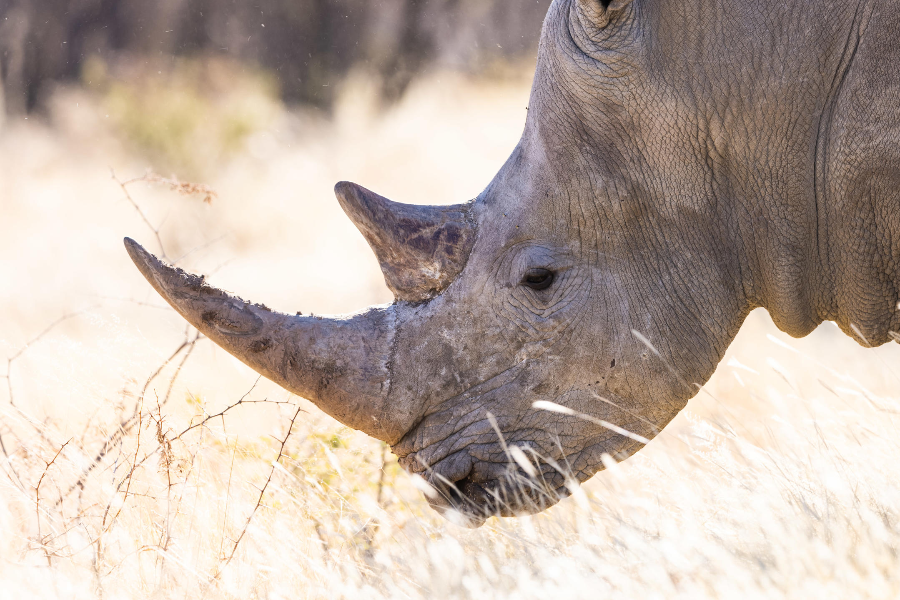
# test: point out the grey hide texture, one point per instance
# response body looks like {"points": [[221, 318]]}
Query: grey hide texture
{"points": [[683, 162]]}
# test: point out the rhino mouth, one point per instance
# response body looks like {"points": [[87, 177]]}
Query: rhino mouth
{"points": [[468, 491], [477, 465], [470, 501]]}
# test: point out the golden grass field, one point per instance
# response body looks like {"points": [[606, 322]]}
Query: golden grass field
{"points": [[779, 480]]}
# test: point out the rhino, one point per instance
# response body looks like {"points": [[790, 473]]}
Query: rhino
{"points": [[682, 163]]}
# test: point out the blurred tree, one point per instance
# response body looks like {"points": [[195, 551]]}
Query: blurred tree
{"points": [[308, 44]]}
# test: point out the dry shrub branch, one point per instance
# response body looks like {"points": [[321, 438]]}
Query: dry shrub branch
{"points": [[262, 492], [125, 453], [181, 188]]}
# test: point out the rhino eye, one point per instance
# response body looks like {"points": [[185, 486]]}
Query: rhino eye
{"points": [[538, 279]]}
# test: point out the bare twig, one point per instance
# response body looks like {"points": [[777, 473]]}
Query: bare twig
{"points": [[219, 267], [221, 414], [166, 458], [12, 474], [53, 527], [34, 340], [199, 248], [3, 446], [165, 307], [262, 492], [183, 188], [9, 387], [180, 187], [227, 497], [384, 456], [127, 480], [128, 423], [37, 501], [137, 207], [185, 477], [190, 349]]}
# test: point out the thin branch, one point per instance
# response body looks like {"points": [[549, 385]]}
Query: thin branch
{"points": [[37, 502], [137, 207], [219, 267], [9, 387], [133, 301], [200, 247], [262, 492], [384, 458], [3, 447], [183, 188], [223, 412], [227, 497], [128, 480], [128, 423], [34, 340], [184, 359], [166, 451], [18, 480]]}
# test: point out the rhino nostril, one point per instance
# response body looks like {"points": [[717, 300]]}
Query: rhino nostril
{"points": [[455, 494], [467, 496]]}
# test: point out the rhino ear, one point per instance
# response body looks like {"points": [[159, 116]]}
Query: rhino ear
{"points": [[421, 249], [600, 13]]}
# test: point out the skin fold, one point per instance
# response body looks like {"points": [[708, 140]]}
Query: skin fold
{"points": [[682, 164]]}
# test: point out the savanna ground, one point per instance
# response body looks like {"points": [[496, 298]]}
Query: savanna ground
{"points": [[141, 461]]}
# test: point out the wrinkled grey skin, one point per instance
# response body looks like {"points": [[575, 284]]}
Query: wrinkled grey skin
{"points": [[683, 162]]}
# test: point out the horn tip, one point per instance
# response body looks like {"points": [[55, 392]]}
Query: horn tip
{"points": [[341, 188], [351, 196], [137, 253], [153, 269]]}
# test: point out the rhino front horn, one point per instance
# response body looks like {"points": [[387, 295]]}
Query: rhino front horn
{"points": [[421, 249], [340, 364]]}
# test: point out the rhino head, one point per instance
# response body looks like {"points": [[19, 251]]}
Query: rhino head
{"points": [[665, 185]]}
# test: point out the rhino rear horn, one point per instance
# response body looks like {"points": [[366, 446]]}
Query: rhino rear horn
{"points": [[421, 249]]}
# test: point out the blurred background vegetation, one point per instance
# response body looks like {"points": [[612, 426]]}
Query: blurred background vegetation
{"points": [[306, 46], [185, 84]]}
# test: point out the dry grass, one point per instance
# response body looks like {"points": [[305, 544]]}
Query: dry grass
{"points": [[141, 461]]}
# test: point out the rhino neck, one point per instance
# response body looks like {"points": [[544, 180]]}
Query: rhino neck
{"points": [[813, 156], [858, 183]]}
